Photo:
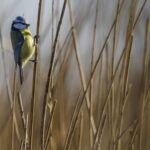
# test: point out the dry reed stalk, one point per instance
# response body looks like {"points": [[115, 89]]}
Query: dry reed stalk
{"points": [[52, 21], [49, 125], [133, 147], [99, 133], [108, 95], [123, 75], [100, 89], [113, 67], [22, 113], [125, 97], [145, 82], [50, 75], [32, 115], [134, 133], [5, 72], [140, 12], [21, 145], [122, 116], [103, 48], [11, 99], [66, 56], [73, 132], [72, 124], [107, 83], [125, 130], [107, 67], [92, 63], [65, 61], [60, 51], [21, 109], [13, 109], [81, 131], [76, 114], [147, 99], [130, 30], [108, 79], [80, 65], [26, 134], [131, 27], [99, 147]]}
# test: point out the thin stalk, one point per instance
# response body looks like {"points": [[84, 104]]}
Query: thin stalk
{"points": [[122, 117], [107, 67], [130, 30], [125, 130], [76, 114], [133, 136], [140, 12], [101, 133], [49, 125], [113, 67], [145, 76], [5, 73], [100, 88], [92, 64], [98, 138], [50, 75], [81, 131], [128, 48], [60, 51], [70, 132], [108, 95], [32, 113], [21, 145], [52, 21], [80, 65], [26, 134], [22, 114], [14, 103], [107, 78], [21, 109], [10, 95], [123, 76]]}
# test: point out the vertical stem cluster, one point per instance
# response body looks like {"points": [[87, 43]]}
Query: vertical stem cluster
{"points": [[50, 75], [32, 115]]}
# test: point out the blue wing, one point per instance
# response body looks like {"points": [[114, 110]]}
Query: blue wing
{"points": [[17, 52], [17, 41]]}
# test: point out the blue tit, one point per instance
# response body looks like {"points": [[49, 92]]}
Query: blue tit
{"points": [[22, 43]]}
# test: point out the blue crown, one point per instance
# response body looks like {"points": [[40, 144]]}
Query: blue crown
{"points": [[19, 23], [19, 19]]}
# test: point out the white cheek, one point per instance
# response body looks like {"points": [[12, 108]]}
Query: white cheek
{"points": [[19, 26]]}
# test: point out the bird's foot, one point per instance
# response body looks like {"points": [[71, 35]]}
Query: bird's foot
{"points": [[36, 39], [33, 60]]}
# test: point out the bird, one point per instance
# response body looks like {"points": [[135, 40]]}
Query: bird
{"points": [[23, 43]]}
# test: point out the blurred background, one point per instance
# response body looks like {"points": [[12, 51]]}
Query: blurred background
{"points": [[67, 82]]}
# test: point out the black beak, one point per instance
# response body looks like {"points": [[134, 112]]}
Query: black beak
{"points": [[27, 25]]}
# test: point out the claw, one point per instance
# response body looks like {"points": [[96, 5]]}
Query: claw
{"points": [[36, 38], [34, 61]]}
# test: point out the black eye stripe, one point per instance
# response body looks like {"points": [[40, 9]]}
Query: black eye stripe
{"points": [[21, 23]]}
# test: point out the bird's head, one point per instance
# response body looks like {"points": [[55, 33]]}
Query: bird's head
{"points": [[20, 23]]}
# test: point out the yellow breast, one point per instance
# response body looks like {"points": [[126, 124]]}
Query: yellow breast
{"points": [[28, 46]]}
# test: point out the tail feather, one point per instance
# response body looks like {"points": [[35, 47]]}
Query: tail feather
{"points": [[21, 74]]}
